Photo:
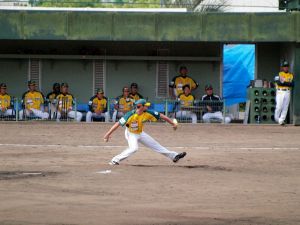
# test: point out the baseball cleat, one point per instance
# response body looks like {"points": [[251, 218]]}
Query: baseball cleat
{"points": [[179, 156], [113, 163]]}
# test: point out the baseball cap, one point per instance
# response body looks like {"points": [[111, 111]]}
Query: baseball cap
{"points": [[285, 63], [64, 84], [56, 85], [142, 102], [134, 85], [182, 68], [31, 82], [99, 91], [208, 87], [3, 85]]}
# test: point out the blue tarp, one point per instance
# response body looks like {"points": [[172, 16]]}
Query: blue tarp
{"points": [[238, 70]]}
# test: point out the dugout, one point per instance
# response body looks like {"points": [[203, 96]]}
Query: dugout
{"points": [[92, 48]]}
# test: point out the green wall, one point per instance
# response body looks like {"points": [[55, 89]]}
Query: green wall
{"points": [[123, 73], [15, 74], [77, 73], [140, 26], [268, 61]]}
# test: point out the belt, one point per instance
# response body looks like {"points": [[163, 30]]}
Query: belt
{"points": [[283, 89]]}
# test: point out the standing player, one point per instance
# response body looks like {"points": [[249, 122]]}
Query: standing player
{"points": [[124, 103], [284, 83], [98, 107], [5, 102], [33, 103], [65, 103], [179, 81], [134, 123]]}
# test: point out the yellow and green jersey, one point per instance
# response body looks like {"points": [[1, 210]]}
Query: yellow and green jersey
{"points": [[284, 80], [98, 104], [136, 96], [33, 100], [65, 102], [186, 100], [5, 101], [52, 96], [125, 104], [179, 81], [135, 122]]}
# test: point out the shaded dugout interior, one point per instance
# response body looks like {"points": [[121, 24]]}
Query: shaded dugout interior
{"points": [[112, 49]]}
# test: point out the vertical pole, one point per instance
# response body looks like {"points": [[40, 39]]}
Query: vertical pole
{"points": [[166, 107], [16, 102]]}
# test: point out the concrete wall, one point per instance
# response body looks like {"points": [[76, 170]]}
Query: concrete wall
{"points": [[14, 72]]}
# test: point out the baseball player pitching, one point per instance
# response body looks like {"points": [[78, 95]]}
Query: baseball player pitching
{"points": [[134, 123]]}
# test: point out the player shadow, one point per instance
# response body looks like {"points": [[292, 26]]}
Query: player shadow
{"points": [[203, 167]]}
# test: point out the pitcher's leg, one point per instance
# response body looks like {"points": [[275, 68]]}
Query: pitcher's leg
{"points": [[132, 147], [149, 142]]}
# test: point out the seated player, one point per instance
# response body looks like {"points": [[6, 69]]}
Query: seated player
{"points": [[98, 107], [134, 92], [51, 97], [213, 110], [186, 99], [33, 103], [123, 104], [5, 102], [65, 102]]}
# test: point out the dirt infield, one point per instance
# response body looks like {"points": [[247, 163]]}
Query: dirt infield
{"points": [[58, 174]]}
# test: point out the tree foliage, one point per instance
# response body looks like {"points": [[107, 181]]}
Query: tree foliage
{"points": [[191, 5]]}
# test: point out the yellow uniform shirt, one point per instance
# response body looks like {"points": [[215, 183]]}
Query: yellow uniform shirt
{"points": [[136, 96], [179, 81], [186, 100], [65, 102], [135, 122], [284, 77], [125, 104], [98, 104], [52, 96], [5, 101], [33, 100]]}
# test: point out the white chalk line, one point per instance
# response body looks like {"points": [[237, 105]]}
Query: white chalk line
{"points": [[170, 147]]}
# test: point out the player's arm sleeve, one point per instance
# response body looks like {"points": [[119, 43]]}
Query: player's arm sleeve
{"points": [[125, 118], [155, 115], [194, 84], [172, 83], [105, 108], [23, 100], [91, 104], [44, 101]]}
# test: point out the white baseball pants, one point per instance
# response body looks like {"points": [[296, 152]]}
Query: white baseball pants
{"points": [[282, 105], [146, 140], [207, 117], [8, 112], [35, 112], [71, 114], [187, 114], [91, 115]]}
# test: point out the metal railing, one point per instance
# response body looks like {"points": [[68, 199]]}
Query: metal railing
{"points": [[197, 112]]}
